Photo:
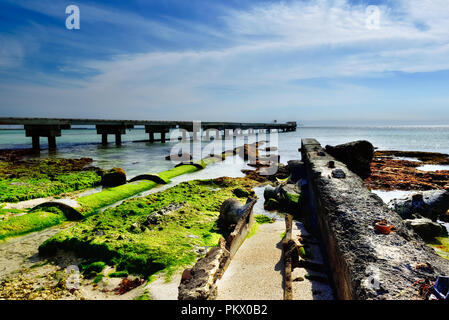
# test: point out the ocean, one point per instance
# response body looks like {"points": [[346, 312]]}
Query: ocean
{"points": [[142, 157]]}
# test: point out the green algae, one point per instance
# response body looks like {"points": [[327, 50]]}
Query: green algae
{"points": [[94, 267], [121, 236], [441, 246], [118, 274], [25, 180], [89, 204], [92, 203], [262, 219], [109, 196], [10, 211], [253, 231], [31, 222]]}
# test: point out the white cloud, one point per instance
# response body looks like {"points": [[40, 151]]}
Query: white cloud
{"points": [[266, 50]]}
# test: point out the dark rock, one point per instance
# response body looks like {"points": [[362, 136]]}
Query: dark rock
{"points": [[241, 193], [338, 174], [231, 210], [426, 228], [296, 170], [114, 177], [271, 205], [356, 155], [271, 193], [431, 204]]}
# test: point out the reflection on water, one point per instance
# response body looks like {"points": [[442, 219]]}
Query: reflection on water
{"points": [[433, 167], [387, 196]]}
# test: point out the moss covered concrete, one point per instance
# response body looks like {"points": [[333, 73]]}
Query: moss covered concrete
{"points": [[121, 236]]}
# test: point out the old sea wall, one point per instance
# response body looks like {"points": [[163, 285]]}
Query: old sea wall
{"points": [[364, 263]]}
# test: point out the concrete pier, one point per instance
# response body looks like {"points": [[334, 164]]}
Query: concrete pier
{"points": [[51, 128], [116, 130]]}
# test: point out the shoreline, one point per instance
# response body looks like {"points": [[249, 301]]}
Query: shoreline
{"points": [[93, 290]]}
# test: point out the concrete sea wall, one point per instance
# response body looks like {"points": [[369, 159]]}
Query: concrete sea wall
{"points": [[364, 264]]}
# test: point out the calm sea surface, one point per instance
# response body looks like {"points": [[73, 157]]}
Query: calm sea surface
{"points": [[143, 157]]}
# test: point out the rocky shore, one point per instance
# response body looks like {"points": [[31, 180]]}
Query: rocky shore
{"points": [[399, 170]]}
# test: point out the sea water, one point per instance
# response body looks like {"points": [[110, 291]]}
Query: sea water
{"points": [[144, 157]]}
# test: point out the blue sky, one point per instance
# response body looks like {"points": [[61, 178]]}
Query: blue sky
{"points": [[311, 61]]}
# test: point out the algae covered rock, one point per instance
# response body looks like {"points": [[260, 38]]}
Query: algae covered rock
{"points": [[232, 210], [241, 193], [271, 205], [113, 178], [357, 155], [282, 197], [430, 204], [426, 228]]}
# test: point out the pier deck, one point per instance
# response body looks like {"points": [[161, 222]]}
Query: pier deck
{"points": [[51, 128]]}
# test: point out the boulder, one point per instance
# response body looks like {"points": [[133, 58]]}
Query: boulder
{"points": [[282, 197], [432, 204], [241, 193], [272, 193], [271, 205], [232, 210], [114, 177], [357, 156], [426, 228], [296, 169]]}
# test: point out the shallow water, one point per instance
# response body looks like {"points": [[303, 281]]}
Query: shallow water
{"points": [[142, 157], [433, 167], [387, 196]]}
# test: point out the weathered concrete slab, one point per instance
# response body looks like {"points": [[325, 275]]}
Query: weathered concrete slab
{"points": [[364, 264]]}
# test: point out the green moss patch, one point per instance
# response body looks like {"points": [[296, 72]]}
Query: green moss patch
{"points": [[143, 237], [262, 219], [34, 221], [31, 179], [118, 274], [441, 246], [109, 196], [92, 203]]}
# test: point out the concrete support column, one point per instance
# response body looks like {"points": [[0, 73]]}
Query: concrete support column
{"points": [[48, 131], [162, 129], [104, 139], [116, 130], [36, 143], [118, 138], [52, 143]]}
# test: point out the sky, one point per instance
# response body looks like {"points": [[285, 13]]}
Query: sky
{"points": [[330, 61]]}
